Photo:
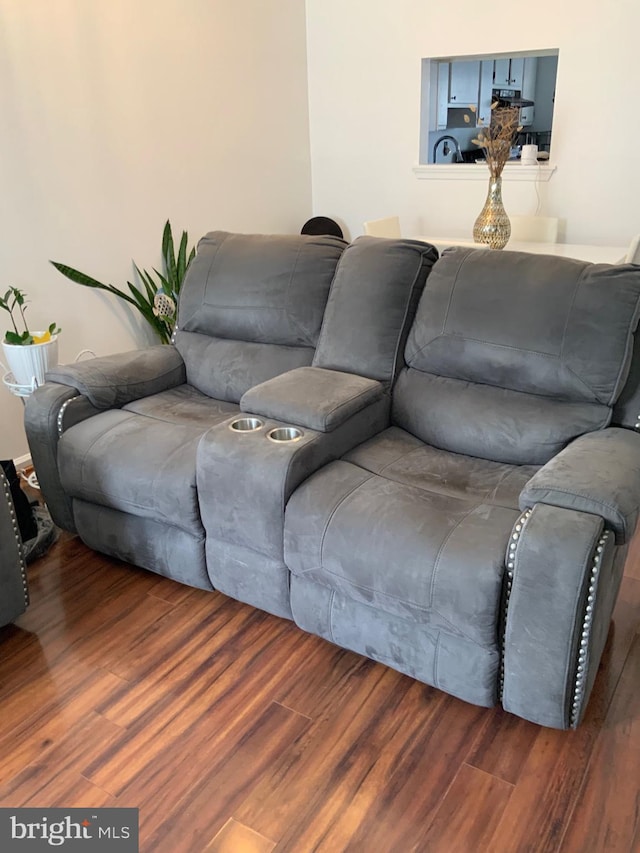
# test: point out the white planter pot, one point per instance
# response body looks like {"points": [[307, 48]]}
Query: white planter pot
{"points": [[29, 363]]}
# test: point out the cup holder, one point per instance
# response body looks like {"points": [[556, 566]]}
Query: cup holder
{"points": [[280, 435], [246, 424]]}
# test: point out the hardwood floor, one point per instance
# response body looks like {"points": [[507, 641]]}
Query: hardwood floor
{"points": [[233, 731]]}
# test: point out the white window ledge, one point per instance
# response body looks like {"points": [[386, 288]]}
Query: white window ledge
{"points": [[479, 172]]}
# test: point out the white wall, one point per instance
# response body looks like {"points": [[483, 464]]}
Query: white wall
{"points": [[364, 59], [119, 114]]}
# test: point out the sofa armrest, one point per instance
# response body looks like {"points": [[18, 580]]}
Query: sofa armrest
{"points": [[563, 573], [312, 397], [50, 410], [112, 381], [598, 473], [14, 594]]}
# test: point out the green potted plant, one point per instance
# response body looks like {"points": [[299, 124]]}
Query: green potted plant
{"points": [[158, 303], [28, 354]]}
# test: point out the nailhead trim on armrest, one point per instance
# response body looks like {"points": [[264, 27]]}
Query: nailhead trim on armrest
{"points": [[63, 409], [16, 533], [581, 670], [511, 554]]}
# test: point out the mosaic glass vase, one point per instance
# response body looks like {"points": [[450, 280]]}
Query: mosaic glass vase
{"points": [[492, 225]]}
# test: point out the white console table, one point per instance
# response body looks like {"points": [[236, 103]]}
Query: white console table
{"points": [[583, 252]]}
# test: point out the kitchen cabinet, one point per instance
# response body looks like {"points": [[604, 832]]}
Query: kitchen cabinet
{"points": [[464, 78], [442, 95], [508, 73], [530, 72], [526, 116], [486, 93]]}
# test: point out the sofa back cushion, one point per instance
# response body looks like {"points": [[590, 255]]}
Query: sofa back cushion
{"points": [[511, 355], [251, 307], [371, 305]]}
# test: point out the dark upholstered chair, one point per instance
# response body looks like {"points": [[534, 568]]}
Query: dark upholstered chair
{"points": [[14, 593]]}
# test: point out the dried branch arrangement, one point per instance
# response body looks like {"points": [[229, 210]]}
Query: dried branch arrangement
{"points": [[497, 139]]}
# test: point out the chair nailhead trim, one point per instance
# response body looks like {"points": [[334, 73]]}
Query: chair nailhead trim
{"points": [[63, 409], [585, 636], [16, 533], [511, 556]]}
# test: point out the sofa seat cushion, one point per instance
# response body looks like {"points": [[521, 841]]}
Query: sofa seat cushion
{"points": [[184, 405], [397, 455], [431, 555], [142, 464]]}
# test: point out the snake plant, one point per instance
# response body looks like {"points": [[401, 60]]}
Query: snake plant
{"points": [[164, 290]]}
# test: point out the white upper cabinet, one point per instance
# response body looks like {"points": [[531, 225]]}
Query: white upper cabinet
{"points": [[464, 82], [443, 94], [529, 89], [486, 93], [508, 73]]}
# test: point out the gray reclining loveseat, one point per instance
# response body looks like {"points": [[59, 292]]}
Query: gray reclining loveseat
{"points": [[461, 513]]}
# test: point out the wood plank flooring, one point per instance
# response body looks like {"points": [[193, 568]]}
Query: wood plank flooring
{"points": [[235, 732]]}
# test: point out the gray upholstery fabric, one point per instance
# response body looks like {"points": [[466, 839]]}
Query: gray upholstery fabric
{"points": [[226, 369], [244, 481], [41, 424], [626, 411], [251, 307], [312, 397], [137, 463], [365, 335], [399, 456], [397, 552], [150, 543], [14, 592], [155, 472], [598, 473], [263, 288], [557, 330], [533, 323], [553, 558], [249, 576], [183, 405], [114, 380], [495, 423], [447, 661], [432, 558]]}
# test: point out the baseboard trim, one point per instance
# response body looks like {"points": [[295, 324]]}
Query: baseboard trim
{"points": [[22, 462]]}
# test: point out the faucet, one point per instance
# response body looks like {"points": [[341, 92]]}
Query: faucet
{"points": [[446, 139]]}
